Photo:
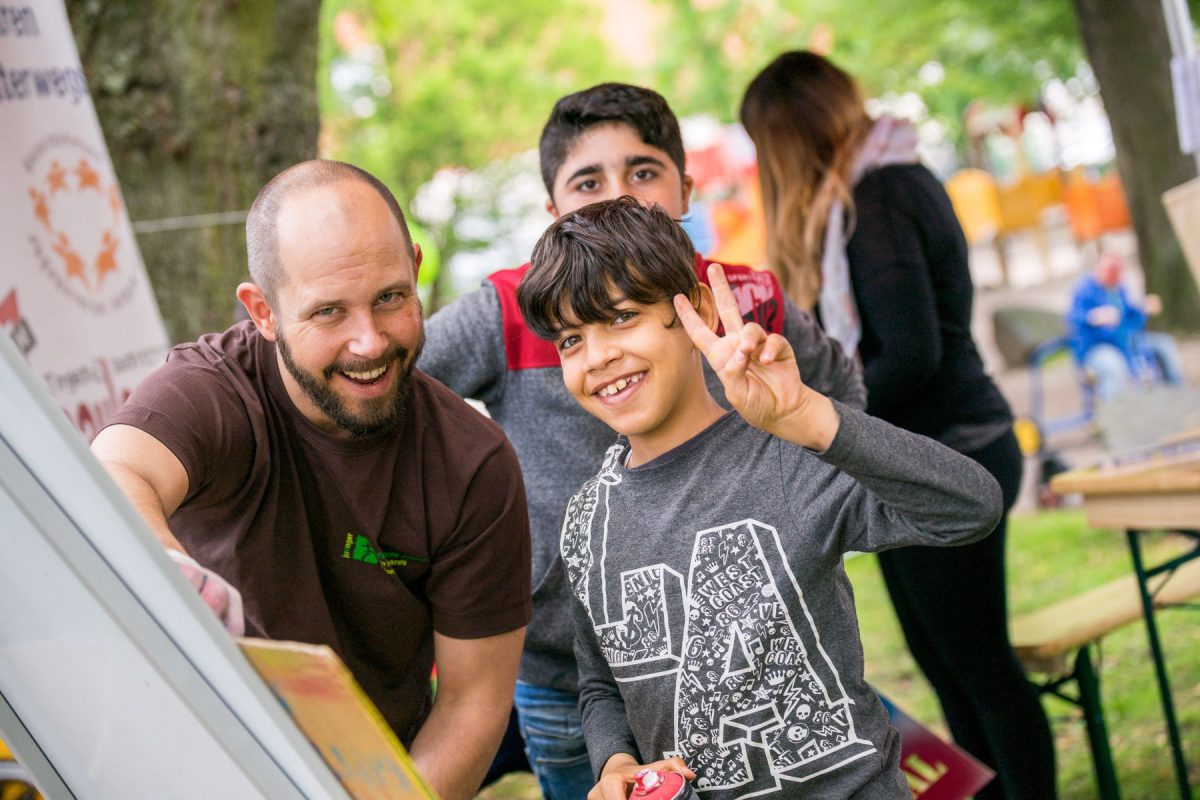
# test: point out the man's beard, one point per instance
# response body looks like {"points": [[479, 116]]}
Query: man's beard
{"points": [[378, 417]]}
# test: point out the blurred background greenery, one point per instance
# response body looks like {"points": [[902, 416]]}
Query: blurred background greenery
{"points": [[202, 103]]}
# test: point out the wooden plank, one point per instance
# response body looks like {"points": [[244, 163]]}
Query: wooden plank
{"points": [[1044, 635], [1145, 512], [1181, 475]]}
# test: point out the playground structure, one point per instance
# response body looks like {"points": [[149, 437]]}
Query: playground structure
{"points": [[991, 212], [727, 215]]}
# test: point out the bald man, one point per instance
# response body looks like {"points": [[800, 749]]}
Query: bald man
{"points": [[299, 460]]}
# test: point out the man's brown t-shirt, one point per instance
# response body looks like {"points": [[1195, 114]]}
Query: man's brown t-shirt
{"points": [[364, 545]]}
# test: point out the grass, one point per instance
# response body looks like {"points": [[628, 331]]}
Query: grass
{"points": [[1051, 555]]}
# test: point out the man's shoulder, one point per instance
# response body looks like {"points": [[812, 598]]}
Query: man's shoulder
{"points": [[204, 403], [238, 346], [215, 365], [1087, 287]]}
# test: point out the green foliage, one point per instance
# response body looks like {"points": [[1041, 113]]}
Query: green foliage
{"points": [[993, 49], [471, 81]]}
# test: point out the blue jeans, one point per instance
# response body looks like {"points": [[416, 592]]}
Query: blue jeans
{"points": [[553, 733], [1110, 367]]}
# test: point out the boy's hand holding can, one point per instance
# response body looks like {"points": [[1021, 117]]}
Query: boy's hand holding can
{"points": [[623, 778]]}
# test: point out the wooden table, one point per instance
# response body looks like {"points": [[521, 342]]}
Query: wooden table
{"points": [[1152, 495]]}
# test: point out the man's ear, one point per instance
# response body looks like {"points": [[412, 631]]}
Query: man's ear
{"points": [[255, 302], [551, 209], [417, 256], [688, 186], [706, 306]]}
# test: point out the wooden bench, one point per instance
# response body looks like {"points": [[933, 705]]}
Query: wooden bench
{"points": [[1044, 639]]}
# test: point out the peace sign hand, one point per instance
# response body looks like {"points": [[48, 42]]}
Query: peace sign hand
{"points": [[759, 372]]}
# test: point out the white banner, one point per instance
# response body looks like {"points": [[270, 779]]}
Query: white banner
{"points": [[74, 294]]}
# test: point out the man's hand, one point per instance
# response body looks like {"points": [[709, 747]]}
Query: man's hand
{"points": [[759, 372], [620, 772], [217, 593], [1153, 305]]}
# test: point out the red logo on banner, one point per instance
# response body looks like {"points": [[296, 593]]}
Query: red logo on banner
{"points": [[66, 193], [16, 325]]}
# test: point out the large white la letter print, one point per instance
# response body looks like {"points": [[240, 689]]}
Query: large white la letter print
{"points": [[637, 634], [757, 699]]}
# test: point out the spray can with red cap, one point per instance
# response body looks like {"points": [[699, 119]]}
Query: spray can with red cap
{"points": [[649, 784]]}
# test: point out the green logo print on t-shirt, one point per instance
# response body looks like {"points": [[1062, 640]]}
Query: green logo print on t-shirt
{"points": [[359, 548]]}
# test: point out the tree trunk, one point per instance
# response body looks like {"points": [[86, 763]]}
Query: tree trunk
{"points": [[1127, 45], [201, 103]]}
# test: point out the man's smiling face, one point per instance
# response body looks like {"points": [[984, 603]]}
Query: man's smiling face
{"points": [[347, 319]]}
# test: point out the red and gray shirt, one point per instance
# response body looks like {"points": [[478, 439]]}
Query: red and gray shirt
{"points": [[365, 545], [480, 347]]}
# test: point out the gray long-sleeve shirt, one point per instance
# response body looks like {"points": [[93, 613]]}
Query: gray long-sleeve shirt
{"points": [[715, 620], [559, 444]]}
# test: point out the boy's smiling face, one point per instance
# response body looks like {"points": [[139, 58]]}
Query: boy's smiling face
{"points": [[639, 376], [610, 160]]}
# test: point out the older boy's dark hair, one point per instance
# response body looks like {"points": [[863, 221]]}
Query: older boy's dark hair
{"points": [[644, 110], [604, 251]]}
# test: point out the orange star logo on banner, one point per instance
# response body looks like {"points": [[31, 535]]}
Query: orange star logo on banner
{"points": [[57, 204], [40, 209], [71, 259], [56, 178], [88, 177], [106, 261]]}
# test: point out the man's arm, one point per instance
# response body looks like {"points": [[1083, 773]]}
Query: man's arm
{"points": [[476, 678], [155, 482], [1133, 315], [148, 473], [478, 589]]}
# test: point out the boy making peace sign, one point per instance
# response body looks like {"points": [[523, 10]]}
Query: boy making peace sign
{"points": [[716, 632]]}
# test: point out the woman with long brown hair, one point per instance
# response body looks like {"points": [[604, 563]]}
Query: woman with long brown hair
{"points": [[863, 235]]}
